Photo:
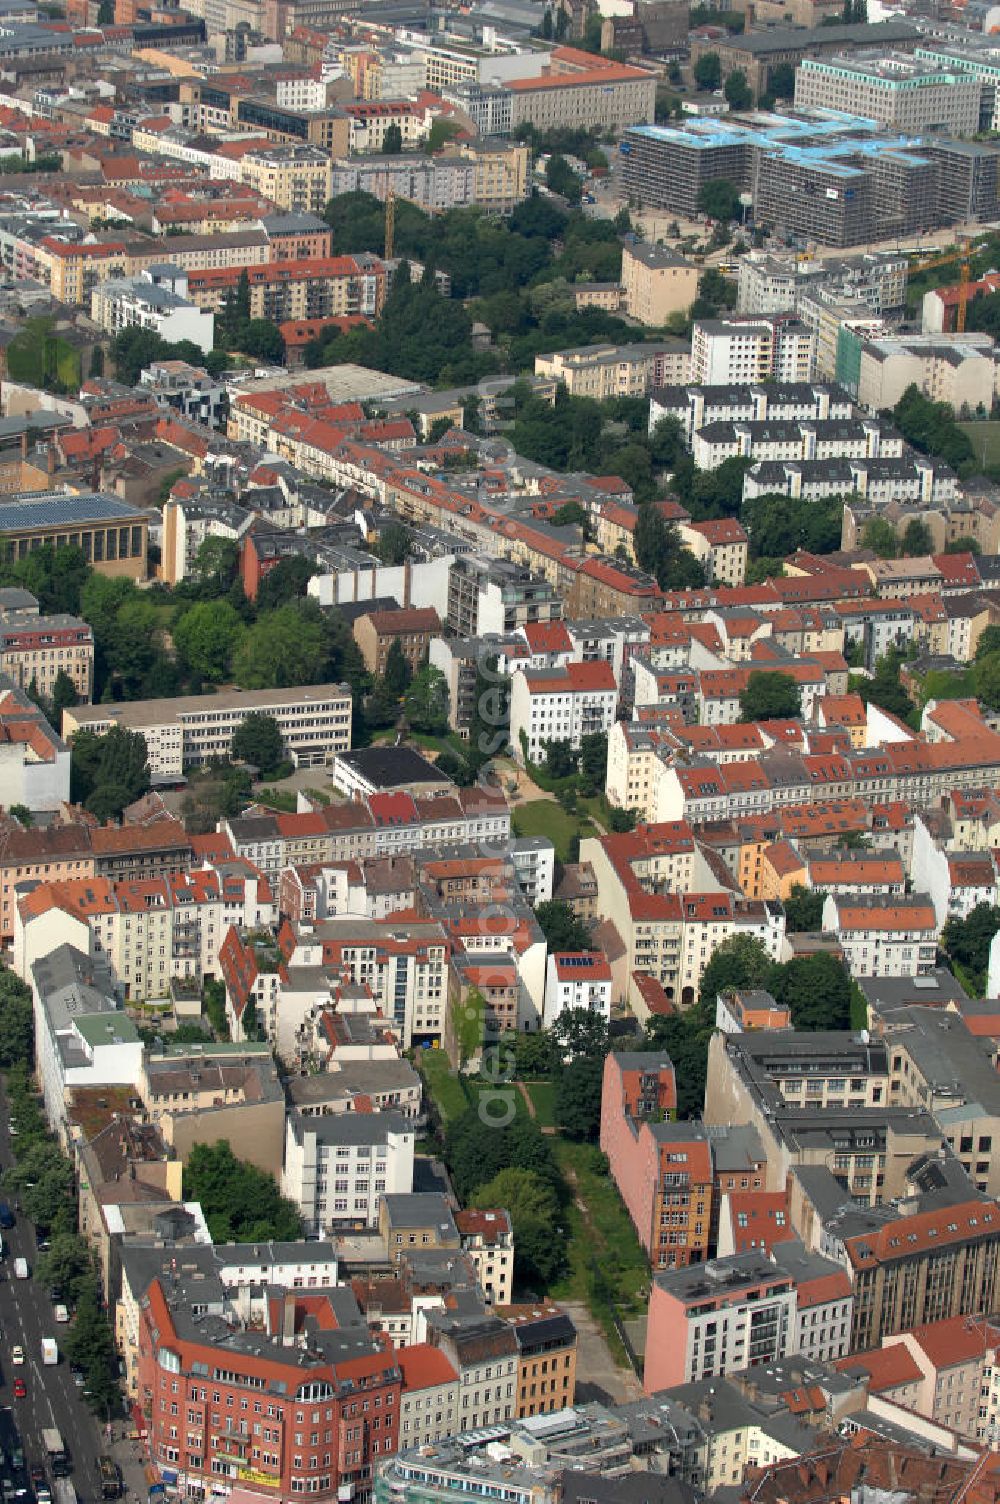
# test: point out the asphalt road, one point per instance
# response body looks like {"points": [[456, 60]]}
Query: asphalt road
{"points": [[26, 1316]]}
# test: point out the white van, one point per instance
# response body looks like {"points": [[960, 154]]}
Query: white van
{"points": [[20, 1268]]}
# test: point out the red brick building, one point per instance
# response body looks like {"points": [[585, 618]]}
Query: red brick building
{"points": [[663, 1170], [295, 1401]]}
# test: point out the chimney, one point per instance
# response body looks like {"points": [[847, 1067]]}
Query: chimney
{"points": [[50, 459], [288, 1320]]}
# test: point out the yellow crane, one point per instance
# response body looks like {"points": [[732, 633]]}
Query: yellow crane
{"points": [[962, 250]]}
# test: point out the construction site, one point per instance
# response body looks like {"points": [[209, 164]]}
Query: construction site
{"points": [[815, 179]]}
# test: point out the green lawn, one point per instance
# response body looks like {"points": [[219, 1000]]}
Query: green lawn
{"points": [[985, 438], [543, 817], [501, 1096], [444, 1085], [543, 1095], [608, 1267]]}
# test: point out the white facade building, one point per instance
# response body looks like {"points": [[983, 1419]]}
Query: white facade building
{"points": [[338, 1167], [564, 704], [577, 979], [740, 352]]}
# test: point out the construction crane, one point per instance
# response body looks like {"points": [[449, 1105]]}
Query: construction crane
{"points": [[390, 220], [963, 250]]}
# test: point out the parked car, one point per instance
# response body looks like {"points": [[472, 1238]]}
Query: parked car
{"points": [[7, 1218]]}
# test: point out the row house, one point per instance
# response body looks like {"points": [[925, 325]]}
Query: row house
{"points": [[151, 930]]}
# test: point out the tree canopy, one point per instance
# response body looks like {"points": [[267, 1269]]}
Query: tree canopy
{"points": [[241, 1203], [770, 696], [258, 740]]}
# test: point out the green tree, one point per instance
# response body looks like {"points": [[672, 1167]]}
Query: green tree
{"points": [[578, 1098], [66, 1264], [579, 1031], [770, 696], [804, 909], [285, 583], [17, 1033], [263, 340], [885, 687], [593, 763], [283, 649], [216, 564], [45, 1181], [476, 1150], [738, 962], [395, 544], [931, 427], [967, 942], [392, 141], [781, 81], [90, 1346], [117, 760], [989, 642], [739, 95], [441, 132], [561, 179], [561, 759], [398, 672], [425, 703], [240, 1202], [64, 696], [817, 990], [719, 200], [207, 636], [917, 540], [707, 71], [533, 1207], [880, 536], [562, 928], [258, 740]]}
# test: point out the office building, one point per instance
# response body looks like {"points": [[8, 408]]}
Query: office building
{"points": [[899, 92], [315, 724]]}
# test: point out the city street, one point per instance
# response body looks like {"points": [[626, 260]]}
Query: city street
{"points": [[26, 1316]]}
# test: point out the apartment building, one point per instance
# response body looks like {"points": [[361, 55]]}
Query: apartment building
{"points": [[721, 546], [247, 1352], [412, 628], [925, 1267], [83, 1037], [428, 1409], [37, 649], [657, 282], [880, 937], [488, 1240], [546, 1357], [735, 352], [34, 760], [577, 979], [153, 301], [564, 704], [605, 371], [959, 369], [151, 930], [315, 724], [717, 1318], [338, 1167], [297, 178], [663, 1170], [75, 269], [294, 290]]}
